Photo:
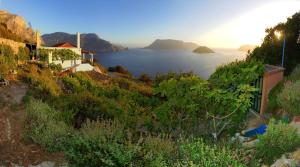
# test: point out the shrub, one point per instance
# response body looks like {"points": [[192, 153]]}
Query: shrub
{"points": [[191, 101], [44, 127], [119, 69], [7, 59], [273, 95], [55, 67], [23, 54], [145, 78], [72, 85], [236, 73], [171, 75], [289, 97], [41, 80], [278, 139], [86, 106], [159, 151], [195, 152], [295, 75], [100, 143]]}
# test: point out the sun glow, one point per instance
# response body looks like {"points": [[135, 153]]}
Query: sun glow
{"points": [[249, 28]]}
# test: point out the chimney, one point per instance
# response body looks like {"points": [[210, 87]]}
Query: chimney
{"points": [[78, 40], [37, 38]]}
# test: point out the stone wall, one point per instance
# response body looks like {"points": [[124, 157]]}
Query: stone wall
{"points": [[14, 45]]}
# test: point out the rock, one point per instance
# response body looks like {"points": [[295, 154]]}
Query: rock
{"points": [[44, 164], [17, 25], [296, 155], [283, 162], [296, 125]]}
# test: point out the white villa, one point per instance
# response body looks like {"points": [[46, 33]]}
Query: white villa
{"points": [[78, 64]]}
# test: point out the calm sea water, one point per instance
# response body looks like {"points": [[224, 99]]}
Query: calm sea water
{"points": [[139, 61]]}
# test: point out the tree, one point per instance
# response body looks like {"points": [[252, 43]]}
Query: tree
{"points": [[270, 51]]}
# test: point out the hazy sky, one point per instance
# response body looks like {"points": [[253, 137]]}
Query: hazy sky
{"points": [[136, 23]]}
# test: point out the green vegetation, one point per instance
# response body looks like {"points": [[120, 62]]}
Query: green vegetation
{"points": [[7, 60], [44, 125], [270, 51], [97, 120], [279, 138], [286, 94], [23, 54], [239, 72], [289, 97], [125, 122], [198, 153]]}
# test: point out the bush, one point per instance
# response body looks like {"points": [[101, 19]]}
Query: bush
{"points": [[273, 95], [159, 151], [289, 97], [72, 85], [86, 106], [195, 152], [119, 69], [100, 143], [171, 75], [23, 54], [295, 75], [145, 78], [278, 139], [55, 67], [44, 127], [7, 59], [41, 80], [236, 73]]}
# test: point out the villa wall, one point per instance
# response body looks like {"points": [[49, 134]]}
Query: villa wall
{"points": [[14, 45], [67, 63], [270, 80]]}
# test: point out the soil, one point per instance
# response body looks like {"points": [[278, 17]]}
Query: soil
{"points": [[14, 148]]}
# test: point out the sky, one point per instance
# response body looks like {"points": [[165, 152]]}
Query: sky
{"points": [[137, 23]]}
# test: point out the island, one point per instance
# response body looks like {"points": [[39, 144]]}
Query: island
{"points": [[171, 44], [203, 49], [246, 48]]}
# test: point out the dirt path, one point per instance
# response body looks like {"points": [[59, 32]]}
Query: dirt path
{"points": [[14, 149]]}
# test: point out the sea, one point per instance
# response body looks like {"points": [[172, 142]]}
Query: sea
{"points": [[153, 62]]}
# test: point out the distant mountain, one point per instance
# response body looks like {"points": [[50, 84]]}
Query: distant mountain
{"points": [[89, 41], [203, 49], [172, 44], [245, 48]]}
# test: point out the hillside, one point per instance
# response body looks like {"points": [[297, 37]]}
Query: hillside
{"points": [[15, 27], [172, 44], [89, 41], [203, 49]]}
